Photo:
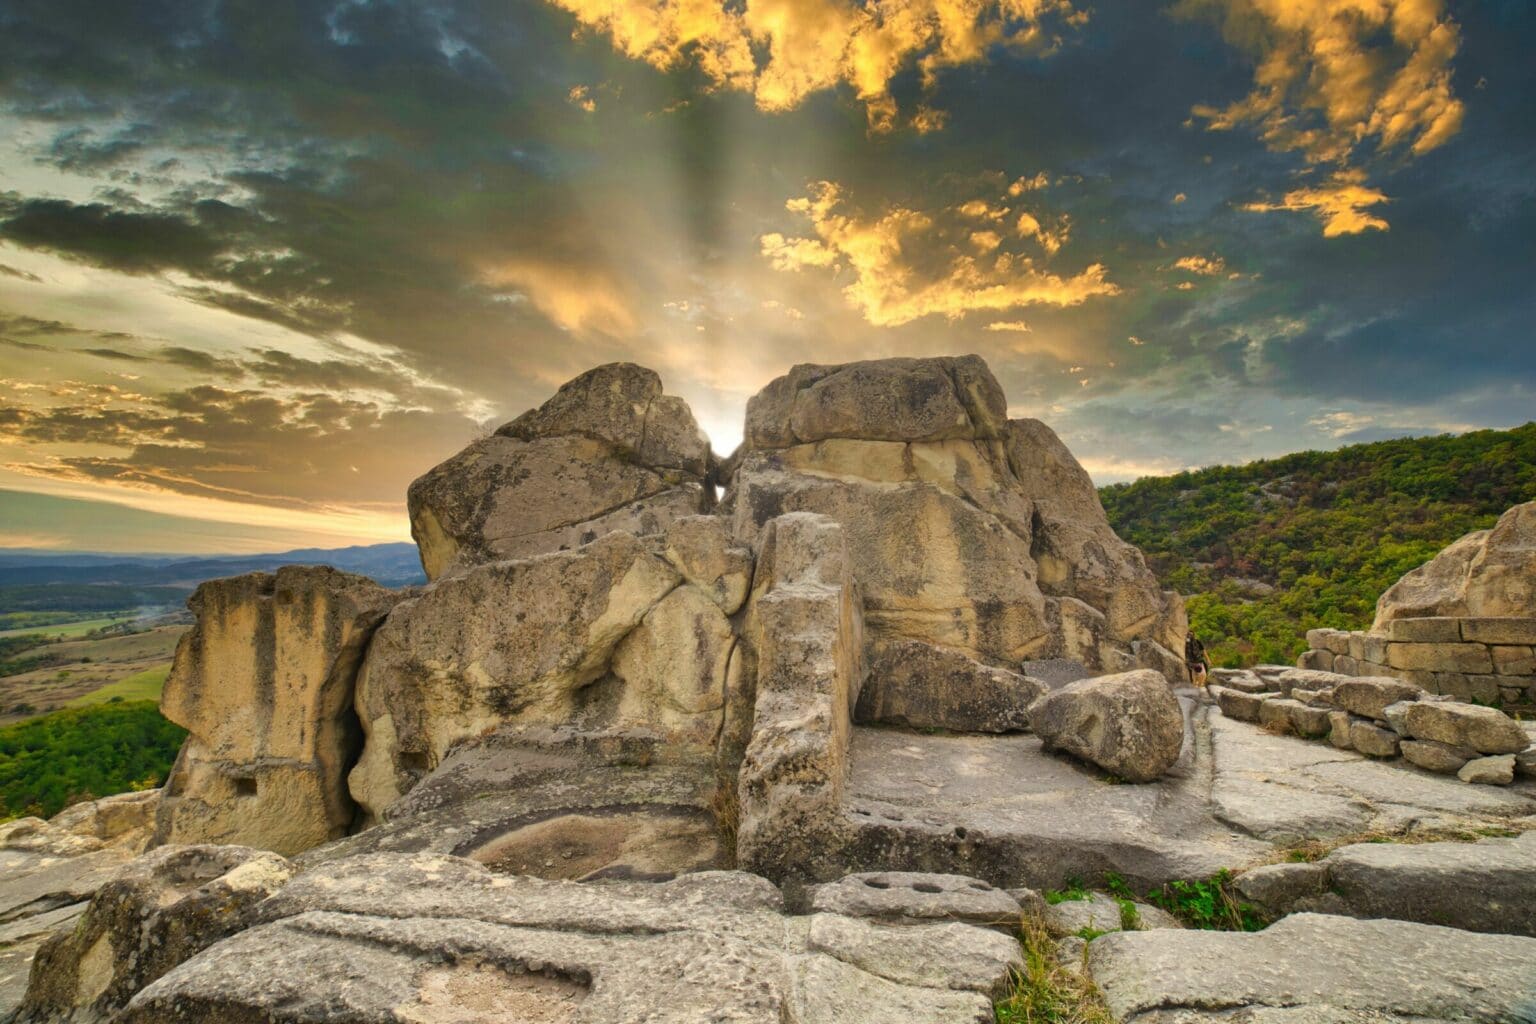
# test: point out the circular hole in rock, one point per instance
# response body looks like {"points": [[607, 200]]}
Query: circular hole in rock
{"points": [[875, 883], [960, 832], [926, 887]]}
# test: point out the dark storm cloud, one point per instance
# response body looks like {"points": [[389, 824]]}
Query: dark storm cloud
{"points": [[101, 234]]}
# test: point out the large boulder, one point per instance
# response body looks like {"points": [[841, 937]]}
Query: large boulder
{"points": [[1129, 724], [966, 530], [264, 684], [1486, 574], [158, 911], [881, 400], [608, 452], [606, 635]]}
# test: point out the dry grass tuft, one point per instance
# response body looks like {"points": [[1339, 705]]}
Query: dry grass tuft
{"points": [[1047, 991]]}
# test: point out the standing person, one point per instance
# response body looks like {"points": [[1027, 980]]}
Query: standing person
{"points": [[1195, 659]]}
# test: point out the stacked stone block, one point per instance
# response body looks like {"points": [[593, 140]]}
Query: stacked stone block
{"points": [[1384, 718], [1483, 660]]}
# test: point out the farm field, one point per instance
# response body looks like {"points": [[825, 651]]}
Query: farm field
{"points": [[77, 669]]}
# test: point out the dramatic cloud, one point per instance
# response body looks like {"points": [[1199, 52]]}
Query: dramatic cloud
{"points": [[782, 51], [1335, 78], [907, 264], [309, 451], [265, 265], [1341, 203], [1333, 74]]}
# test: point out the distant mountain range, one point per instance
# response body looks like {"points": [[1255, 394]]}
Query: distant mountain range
{"points": [[393, 565]]}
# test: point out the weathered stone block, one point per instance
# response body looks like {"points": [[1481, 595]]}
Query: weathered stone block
{"points": [[1514, 661], [1372, 649], [1337, 641], [1486, 730], [1338, 730], [1275, 713], [1372, 740], [1436, 757], [1370, 696], [1235, 704], [1318, 660], [1440, 657], [1489, 771], [1396, 716], [1499, 631], [1311, 722], [1346, 665], [1439, 630], [1241, 679]]}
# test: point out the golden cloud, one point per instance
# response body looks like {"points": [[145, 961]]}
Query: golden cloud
{"points": [[782, 51], [1341, 203], [574, 298], [1334, 73], [906, 264], [1205, 265]]}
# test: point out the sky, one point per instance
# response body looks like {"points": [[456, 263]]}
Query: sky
{"points": [[264, 263]]}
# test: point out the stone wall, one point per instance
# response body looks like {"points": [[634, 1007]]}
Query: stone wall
{"points": [[1487, 660], [1382, 718]]}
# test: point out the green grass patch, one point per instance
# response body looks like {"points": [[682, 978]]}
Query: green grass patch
{"points": [[68, 630], [1074, 891], [1209, 903], [145, 685], [1047, 991], [50, 762]]}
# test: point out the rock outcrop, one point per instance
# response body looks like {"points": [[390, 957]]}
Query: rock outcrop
{"points": [[1486, 574], [1352, 971], [155, 913], [528, 790], [388, 938], [264, 684], [966, 531], [608, 453]]}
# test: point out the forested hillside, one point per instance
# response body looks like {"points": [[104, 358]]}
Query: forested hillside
{"points": [[1266, 551]]}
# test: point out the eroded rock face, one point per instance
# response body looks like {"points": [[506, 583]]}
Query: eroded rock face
{"points": [[264, 683], [966, 530], [518, 642], [1128, 724], [1488, 573], [926, 687], [608, 452], [437, 939], [1352, 970], [804, 628], [158, 911]]}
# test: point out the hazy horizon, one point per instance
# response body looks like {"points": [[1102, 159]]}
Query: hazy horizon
{"points": [[262, 266]]}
